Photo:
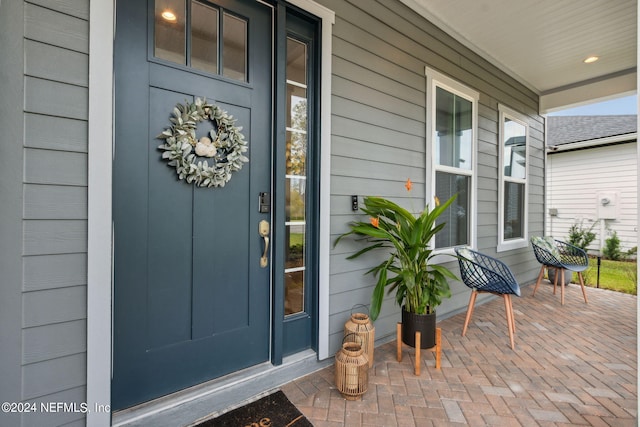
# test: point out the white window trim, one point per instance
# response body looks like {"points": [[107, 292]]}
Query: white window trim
{"points": [[437, 79], [507, 245]]}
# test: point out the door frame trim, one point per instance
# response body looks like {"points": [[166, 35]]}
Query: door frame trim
{"points": [[328, 19], [99, 210]]}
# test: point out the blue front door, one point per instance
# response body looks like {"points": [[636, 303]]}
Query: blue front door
{"points": [[191, 297]]}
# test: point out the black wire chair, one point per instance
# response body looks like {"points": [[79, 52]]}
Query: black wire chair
{"points": [[559, 256], [484, 274]]}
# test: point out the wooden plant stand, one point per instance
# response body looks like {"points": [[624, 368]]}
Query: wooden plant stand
{"points": [[437, 349]]}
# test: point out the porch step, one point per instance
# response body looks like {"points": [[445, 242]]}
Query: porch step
{"points": [[206, 400]]}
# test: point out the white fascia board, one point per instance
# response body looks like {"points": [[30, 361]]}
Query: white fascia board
{"points": [[601, 90]]}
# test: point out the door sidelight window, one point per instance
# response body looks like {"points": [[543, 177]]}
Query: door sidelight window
{"points": [[296, 176]]}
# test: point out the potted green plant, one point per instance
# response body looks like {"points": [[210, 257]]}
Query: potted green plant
{"points": [[419, 284]]}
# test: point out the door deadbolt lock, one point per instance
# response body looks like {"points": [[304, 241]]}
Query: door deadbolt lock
{"points": [[263, 230], [264, 203]]}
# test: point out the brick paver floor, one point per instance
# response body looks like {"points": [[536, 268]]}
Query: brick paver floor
{"points": [[573, 365]]}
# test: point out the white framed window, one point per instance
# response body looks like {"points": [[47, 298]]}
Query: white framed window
{"points": [[513, 194], [452, 135]]}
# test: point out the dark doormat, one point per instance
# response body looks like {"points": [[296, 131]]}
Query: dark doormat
{"points": [[274, 410]]}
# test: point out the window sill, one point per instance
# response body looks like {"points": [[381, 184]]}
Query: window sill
{"points": [[511, 245]]}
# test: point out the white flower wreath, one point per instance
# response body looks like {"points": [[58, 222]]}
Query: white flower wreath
{"points": [[225, 147]]}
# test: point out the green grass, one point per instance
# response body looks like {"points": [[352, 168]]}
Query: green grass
{"points": [[296, 239], [618, 276]]}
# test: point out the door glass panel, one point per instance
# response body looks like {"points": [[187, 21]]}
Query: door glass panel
{"points": [[234, 49], [296, 176], [296, 106], [204, 53], [170, 25], [295, 206], [296, 152], [297, 61], [294, 291], [294, 256], [204, 37]]}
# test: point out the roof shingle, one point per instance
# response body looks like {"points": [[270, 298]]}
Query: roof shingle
{"points": [[568, 129]]}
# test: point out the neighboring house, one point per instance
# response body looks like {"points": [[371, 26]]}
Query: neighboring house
{"points": [[122, 284], [592, 177]]}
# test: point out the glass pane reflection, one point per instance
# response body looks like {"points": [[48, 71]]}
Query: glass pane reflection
{"points": [[296, 61], [295, 204], [294, 292], [294, 251], [456, 217], [204, 37], [515, 149], [513, 210], [296, 153], [296, 107], [172, 37], [234, 49], [296, 176], [454, 133], [169, 38]]}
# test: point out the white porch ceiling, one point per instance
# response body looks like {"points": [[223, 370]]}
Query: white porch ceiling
{"points": [[542, 43]]}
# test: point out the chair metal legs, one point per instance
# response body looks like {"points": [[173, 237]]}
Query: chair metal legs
{"points": [[508, 306]]}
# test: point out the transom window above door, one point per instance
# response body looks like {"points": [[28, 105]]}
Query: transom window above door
{"points": [[202, 36]]}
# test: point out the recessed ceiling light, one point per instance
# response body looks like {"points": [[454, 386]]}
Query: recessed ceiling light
{"points": [[590, 59], [169, 16]]}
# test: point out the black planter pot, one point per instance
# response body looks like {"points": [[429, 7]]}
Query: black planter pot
{"points": [[425, 323]]}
